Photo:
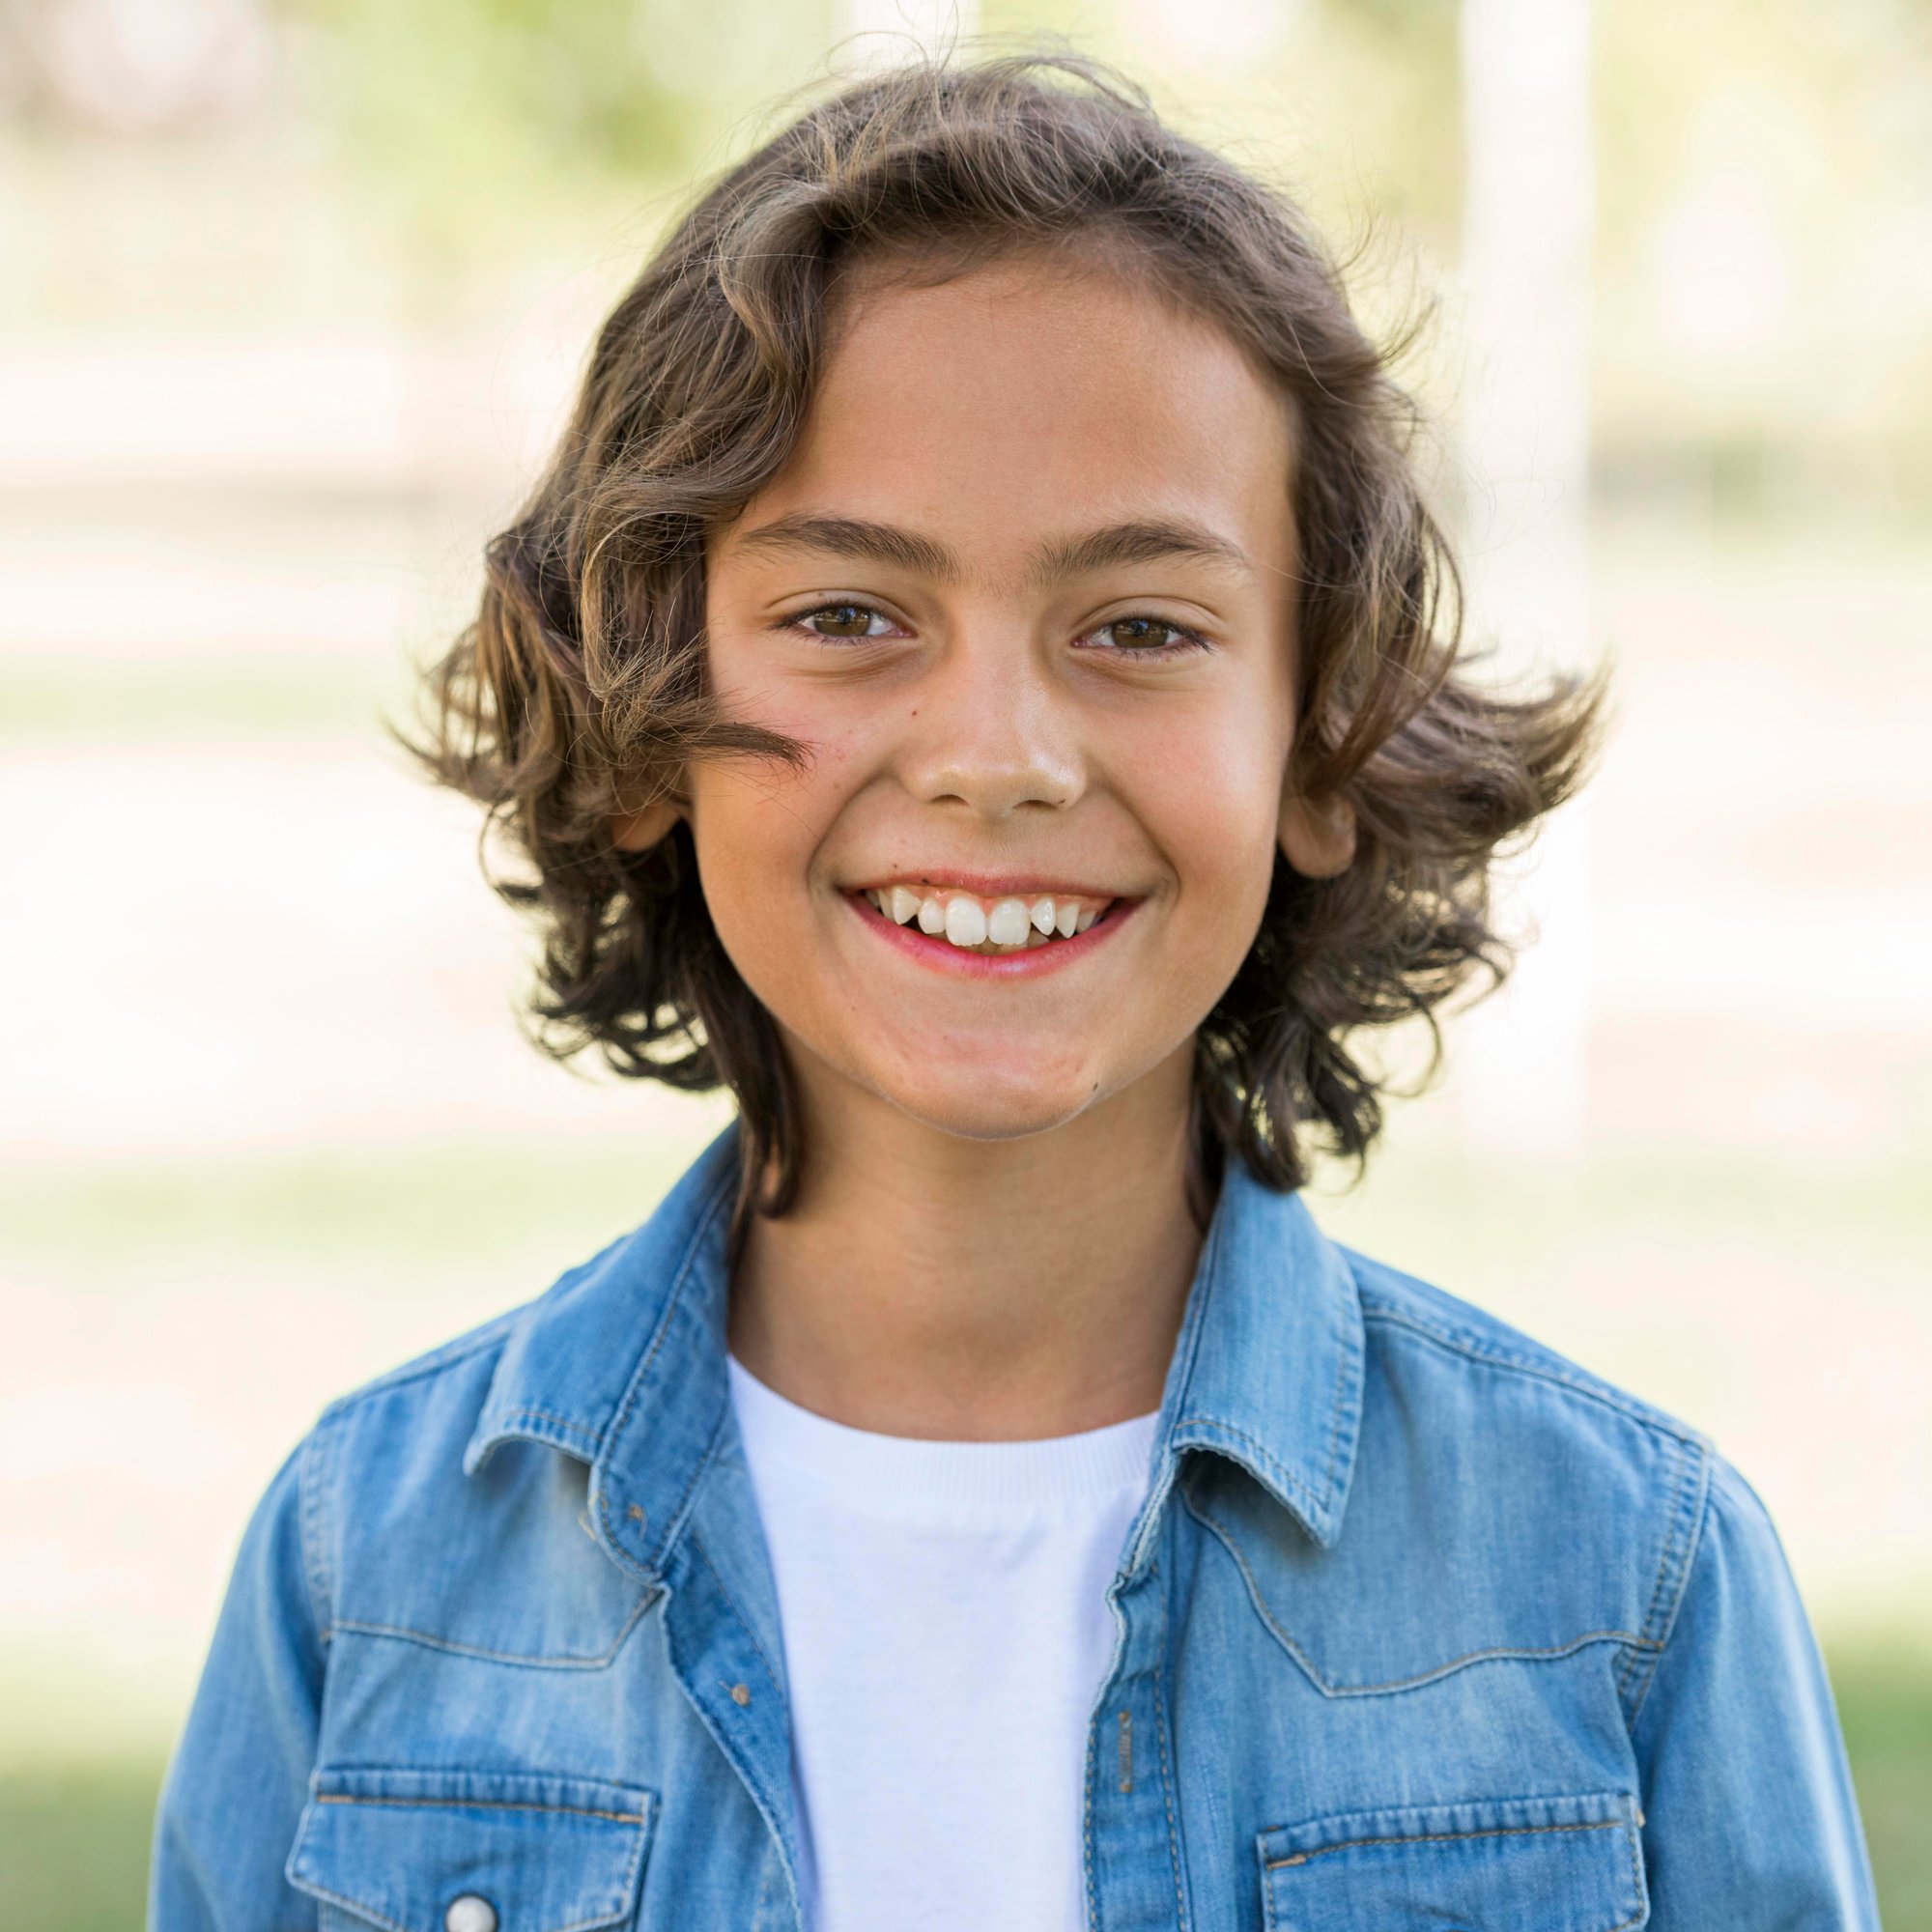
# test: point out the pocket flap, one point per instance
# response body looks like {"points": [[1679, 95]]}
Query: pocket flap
{"points": [[547, 1853], [1502, 1865]]}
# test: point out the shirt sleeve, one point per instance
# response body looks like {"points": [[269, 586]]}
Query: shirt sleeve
{"points": [[1750, 1819], [239, 1775]]}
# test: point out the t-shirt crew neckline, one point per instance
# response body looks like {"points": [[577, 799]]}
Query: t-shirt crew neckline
{"points": [[907, 1477]]}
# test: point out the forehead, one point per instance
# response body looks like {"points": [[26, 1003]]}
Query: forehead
{"points": [[1023, 398]]}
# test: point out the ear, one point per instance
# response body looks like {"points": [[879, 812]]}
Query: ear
{"points": [[1316, 836], [638, 831]]}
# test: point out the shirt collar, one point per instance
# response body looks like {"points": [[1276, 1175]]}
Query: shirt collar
{"points": [[1267, 1368], [622, 1363]]}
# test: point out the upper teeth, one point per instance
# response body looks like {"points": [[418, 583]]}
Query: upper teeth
{"points": [[986, 925]]}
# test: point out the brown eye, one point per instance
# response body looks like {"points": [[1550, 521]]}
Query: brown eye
{"points": [[1141, 632], [841, 621]]}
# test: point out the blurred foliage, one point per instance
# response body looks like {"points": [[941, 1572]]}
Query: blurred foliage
{"points": [[1764, 175], [483, 124], [1764, 186], [1765, 237], [482, 128]]}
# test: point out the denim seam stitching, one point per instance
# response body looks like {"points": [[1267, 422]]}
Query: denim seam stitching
{"points": [[485, 1804], [744, 1622], [1167, 1787], [1194, 1324], [1286, 1478], [512, 1416], [722, 1736], [1086, 1838], [1638, 1898], [1476, 1350], [1449, 1838], [1306, 1664], [1346, 1354], [632, 1864], [630, 1878], [1424, 1811], [1318, 1507], [1198, 1317], [309, 1480], [698, 1474], [446, 1358], [1675, 1490], [572, 1661], [701, 1229], [1681, 1528], [1452, 1838], [354, 1905], [1444, 1839], [1683, 1511]]}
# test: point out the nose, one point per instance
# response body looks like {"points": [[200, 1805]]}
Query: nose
{"points": [[990, 732]]}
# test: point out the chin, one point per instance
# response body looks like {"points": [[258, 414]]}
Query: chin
{"points": [[988, 1111]]}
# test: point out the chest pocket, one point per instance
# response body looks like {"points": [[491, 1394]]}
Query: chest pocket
{"points": [[509, 1850], [1505, 1865]]}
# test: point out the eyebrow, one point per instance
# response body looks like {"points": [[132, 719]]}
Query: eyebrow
{"points": [[1144, 540]]}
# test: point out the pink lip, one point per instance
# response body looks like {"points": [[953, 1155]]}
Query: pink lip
{"points": [[942, 956]]}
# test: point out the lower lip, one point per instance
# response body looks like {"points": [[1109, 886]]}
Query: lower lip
{"points": [[1029, 964]]}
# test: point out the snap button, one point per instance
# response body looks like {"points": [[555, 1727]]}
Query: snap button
{"points": [[470, 1912]]}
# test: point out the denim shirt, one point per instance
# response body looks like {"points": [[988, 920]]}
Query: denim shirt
{"points": [[1420, 1625]]}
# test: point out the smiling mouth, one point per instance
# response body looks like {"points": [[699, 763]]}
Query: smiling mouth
{"points": [[995, 927]]}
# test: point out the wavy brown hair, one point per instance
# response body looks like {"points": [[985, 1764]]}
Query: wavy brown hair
{"points": [[580, 691]]}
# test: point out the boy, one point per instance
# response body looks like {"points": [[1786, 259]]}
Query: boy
{"points": [[978, 680]]}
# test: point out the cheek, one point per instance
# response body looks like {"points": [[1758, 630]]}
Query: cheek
{"points": [[751, 853], [1208, 791], [758, 827], [819, 717]]}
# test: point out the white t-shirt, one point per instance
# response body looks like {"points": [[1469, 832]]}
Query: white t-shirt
{"points": [[946, 1631]]}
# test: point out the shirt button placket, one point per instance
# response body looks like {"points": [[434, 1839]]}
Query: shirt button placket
{"points": [[1132, 1816]]}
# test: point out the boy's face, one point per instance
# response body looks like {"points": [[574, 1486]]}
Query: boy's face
{"points": [[1026, 592]]}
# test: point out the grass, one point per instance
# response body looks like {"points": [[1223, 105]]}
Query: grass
{"points": [[74, 1837], [1884, 1689], [74, 1844]]}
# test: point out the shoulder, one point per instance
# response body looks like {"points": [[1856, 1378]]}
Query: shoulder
{"points": [[402, 1433], [412, 1532], [437, 1397], [1588, 1500], [406, 1429], [1511, 1415], [1414, 1327], [443, 1386], [382, 1461], [432, 1381]]}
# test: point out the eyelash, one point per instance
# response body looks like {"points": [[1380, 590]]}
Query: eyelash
{"points": [[1185, 639]]}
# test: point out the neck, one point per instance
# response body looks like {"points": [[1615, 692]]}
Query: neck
{"points": [[930, 1286]]}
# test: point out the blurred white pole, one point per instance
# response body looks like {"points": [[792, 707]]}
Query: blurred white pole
{"points": [[933, 23], [1526, 226]]}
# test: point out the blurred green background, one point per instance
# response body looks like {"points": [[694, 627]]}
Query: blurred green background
{"points": [[292, 295]]}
